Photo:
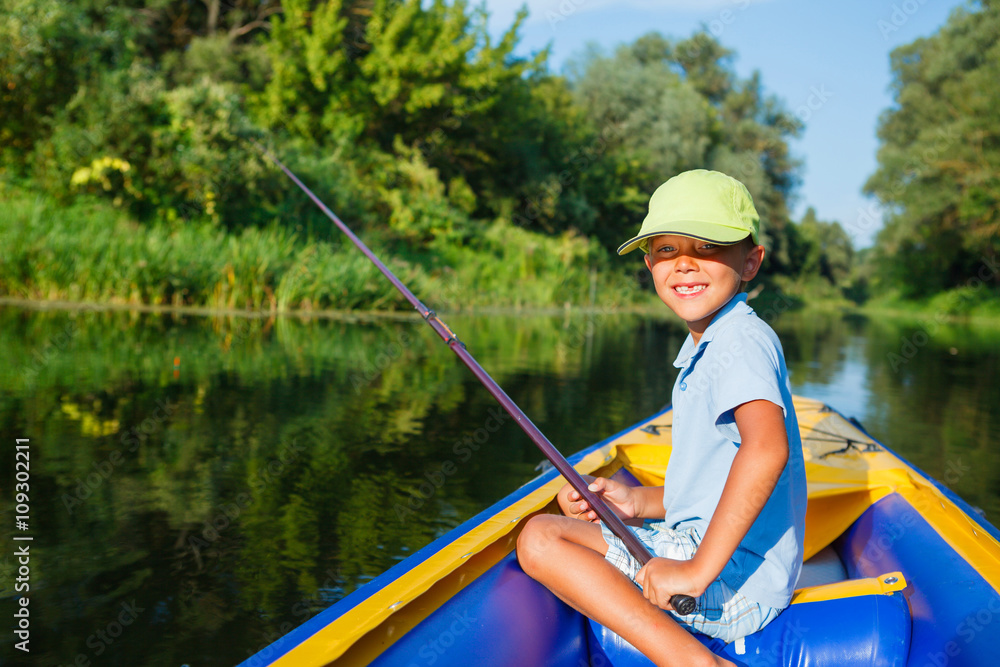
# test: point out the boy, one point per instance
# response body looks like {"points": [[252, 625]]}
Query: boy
{"points": [[731, 513]]}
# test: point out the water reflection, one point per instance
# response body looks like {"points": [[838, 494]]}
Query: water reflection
{"points": [[217, 481]]}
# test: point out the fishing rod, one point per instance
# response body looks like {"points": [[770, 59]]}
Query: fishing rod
{"points": [[683, 604]]}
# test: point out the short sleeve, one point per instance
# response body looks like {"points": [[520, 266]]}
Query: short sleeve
{"points": [[748, 368]]}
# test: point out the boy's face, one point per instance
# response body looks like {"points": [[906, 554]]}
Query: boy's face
{"points": [[697, 278]]}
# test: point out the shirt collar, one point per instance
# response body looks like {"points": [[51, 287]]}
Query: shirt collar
{"points": [[736, 305]]}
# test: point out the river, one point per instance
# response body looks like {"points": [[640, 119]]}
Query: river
{"points": [[200, 485]]}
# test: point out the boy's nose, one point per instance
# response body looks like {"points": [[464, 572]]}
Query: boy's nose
{"points": [[686, 262]]}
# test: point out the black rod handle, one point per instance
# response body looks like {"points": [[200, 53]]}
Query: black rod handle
{"points": [[683, 604]]}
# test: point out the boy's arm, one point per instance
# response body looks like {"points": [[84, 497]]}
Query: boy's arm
{"points": [[649, 502], [756, 469]]}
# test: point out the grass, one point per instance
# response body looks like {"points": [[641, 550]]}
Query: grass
{"points": [[89, 251], [977, 304]]}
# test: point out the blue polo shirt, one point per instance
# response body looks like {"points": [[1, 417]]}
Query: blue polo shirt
{"points": [[738, 359]]}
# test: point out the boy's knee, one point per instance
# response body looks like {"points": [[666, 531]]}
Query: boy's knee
{"points": [[524, 549], [535, 539], [531, 535]]}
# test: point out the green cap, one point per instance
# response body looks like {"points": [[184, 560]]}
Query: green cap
{"points": [[700, 204]]}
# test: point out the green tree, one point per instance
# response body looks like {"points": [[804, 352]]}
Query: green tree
{"points": [[442, 122], [53, 53], [101, 97], [47, 49], [829, 253], [343, 75], [939, 157], [678, 105]]}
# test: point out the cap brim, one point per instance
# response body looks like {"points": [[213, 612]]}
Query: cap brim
{"points": [[694, 230]]}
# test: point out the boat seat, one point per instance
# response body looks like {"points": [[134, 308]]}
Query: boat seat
{"points": [[864, 623], [823, 568]]}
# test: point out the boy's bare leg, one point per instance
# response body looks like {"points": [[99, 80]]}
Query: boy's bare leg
{"points": [[567, 556]]}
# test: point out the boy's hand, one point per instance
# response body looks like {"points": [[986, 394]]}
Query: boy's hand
{"points": [[618, 496], [662, 578]]}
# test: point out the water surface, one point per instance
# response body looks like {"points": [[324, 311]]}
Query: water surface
{"points": [[199, 486]]}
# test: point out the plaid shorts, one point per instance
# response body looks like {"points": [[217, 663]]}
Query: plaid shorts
{"points": [[722, 612]]}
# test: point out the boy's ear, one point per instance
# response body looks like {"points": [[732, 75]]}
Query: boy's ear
{"points": [[751, 265], [649, 264]]}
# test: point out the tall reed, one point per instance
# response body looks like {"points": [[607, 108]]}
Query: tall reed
{"points": [[89, 251]]}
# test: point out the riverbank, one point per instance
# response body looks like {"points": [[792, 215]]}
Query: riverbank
{"points": [[975, 305], [87, 251], [89, 254], [652, 308]]}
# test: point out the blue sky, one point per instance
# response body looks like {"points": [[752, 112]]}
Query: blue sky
{"points": [[828, 62]]}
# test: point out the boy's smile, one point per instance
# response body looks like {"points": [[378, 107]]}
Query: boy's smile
{"points": [[696, 278]]}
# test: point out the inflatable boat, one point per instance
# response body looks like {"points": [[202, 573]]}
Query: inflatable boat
{"points": [[898, 571]]}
